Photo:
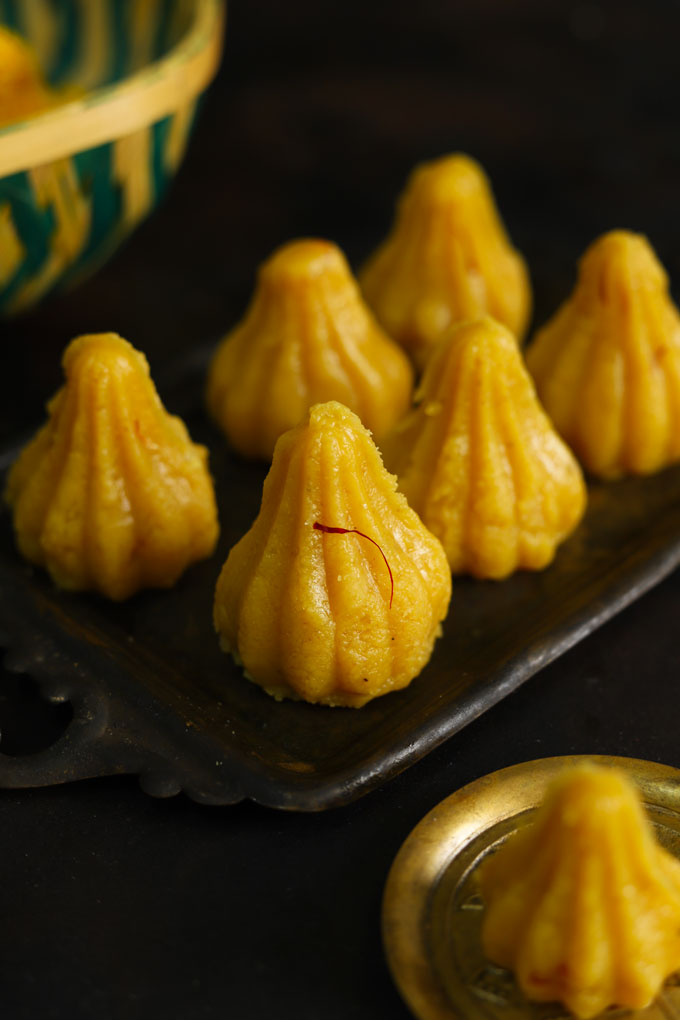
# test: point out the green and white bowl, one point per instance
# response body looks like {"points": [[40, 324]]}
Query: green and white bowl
{"points": [[76, 180]]}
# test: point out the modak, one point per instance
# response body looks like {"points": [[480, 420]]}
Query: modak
{"points": [[448, 258], [23, 90], [111, 495], [306, 338], [479, 461], [337, 593], [583, 904], [607, 366]]}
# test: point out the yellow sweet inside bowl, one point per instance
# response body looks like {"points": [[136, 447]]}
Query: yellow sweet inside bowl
{"points": [[23, 89]]}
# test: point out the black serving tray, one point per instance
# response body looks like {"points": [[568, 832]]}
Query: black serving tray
{"points": [[153, 695]]}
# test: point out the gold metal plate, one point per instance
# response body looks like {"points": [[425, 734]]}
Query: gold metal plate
{"points": [[432, 909]]}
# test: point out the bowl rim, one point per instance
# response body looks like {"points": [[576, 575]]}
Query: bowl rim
{"points": [[114, 111]]}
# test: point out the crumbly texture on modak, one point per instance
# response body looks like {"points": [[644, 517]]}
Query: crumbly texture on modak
{"points": [[112, 495], [448, 258], [337, 592], [583, 904], [607, 365], [306, 338], [479, 460]]}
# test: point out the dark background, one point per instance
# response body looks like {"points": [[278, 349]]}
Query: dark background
{"points": [[116, 905]]}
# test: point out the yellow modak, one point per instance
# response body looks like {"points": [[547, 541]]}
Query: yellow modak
{"points": [[607, 366], [479, 461], [337, 592], [306, 338], [23, 90], [111, 495], [448, 258], [583, 904]]}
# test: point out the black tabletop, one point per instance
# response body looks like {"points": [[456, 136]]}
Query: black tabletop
{"points": [[116, 905]]}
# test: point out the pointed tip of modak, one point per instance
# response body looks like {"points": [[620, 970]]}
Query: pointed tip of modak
{"points": [[101, 350], [481, 330], [592, 784], [620, 243], [451, 185], [449, 178], [322, 424], [621, 260], [477, 338], [303, 259], [332, 412]]}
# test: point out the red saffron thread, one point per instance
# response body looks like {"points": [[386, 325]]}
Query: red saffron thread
{"points": [[328, 530]]}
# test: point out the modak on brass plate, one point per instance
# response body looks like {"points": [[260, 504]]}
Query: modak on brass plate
{"points": [[433, 908]]}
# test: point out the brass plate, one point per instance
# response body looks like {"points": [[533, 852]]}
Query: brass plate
{"points": [[432, 909]]}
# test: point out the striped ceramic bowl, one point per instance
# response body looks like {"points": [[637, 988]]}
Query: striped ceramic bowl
{"points": [[76, 180]]}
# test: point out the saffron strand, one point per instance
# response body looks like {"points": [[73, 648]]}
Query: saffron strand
{"points": [[329, 530]]}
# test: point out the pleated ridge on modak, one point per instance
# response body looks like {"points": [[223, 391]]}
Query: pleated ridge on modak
{"points": [[447, 259], [306, 338], [607, 365], [479, 461], [111, 495], [583, 904], [337, 592]]}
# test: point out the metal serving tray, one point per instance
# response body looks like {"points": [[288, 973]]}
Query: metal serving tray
{"points": [[152, 693]]}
